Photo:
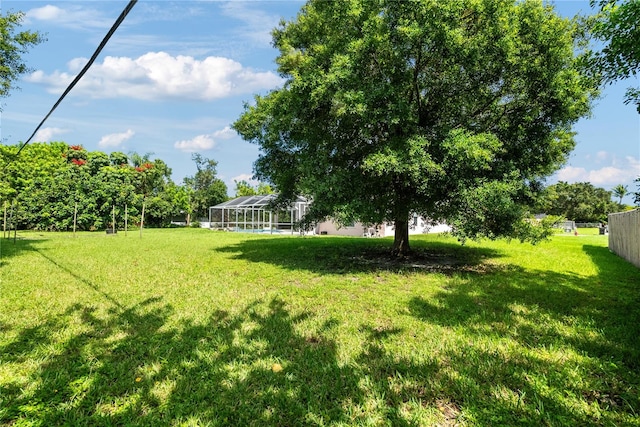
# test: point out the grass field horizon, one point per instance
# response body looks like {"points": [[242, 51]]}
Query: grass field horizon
{"points": [[192, 327]]}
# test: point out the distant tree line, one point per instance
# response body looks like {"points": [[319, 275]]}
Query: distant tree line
{"points": [[580, 202], [51, 183]]}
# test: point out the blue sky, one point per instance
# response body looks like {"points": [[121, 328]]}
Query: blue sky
{"points": [[176, 74]]}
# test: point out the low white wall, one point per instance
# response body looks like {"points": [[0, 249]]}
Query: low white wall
{"points": [[329, 227], [420, 228], [624, 235]]}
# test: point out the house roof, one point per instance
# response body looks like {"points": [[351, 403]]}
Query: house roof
{"points": [[252, 202]]}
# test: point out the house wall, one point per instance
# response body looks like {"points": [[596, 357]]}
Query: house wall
{"points": [[418, 226], [329, 227]]}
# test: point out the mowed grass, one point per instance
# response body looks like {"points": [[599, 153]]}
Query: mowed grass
{"points": [[192, 327]]}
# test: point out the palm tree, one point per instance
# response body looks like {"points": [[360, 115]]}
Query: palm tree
{"points": [[620, 191]]}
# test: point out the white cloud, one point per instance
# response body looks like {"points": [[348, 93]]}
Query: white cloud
{"points": [[46, 13], [72, 16], [158, 75], [199, 143], [47, 134], [205, 142], [619, 172], [226, 133], [572, 174], [115, 139]]}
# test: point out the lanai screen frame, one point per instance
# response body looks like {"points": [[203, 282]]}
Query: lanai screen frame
{"points": [[252, 214]]}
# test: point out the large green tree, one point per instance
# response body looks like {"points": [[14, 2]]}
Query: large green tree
{"points": [[448, 109], [616, 25], [13, 45]]}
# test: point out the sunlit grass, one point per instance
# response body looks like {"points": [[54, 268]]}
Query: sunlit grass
{"points": [[193, 327]]}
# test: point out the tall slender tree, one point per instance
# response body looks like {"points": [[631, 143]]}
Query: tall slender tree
{"points": [[620, 191], [206, 188]]}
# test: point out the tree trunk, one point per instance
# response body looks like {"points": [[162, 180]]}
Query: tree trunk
{"points": [[401, 238]]}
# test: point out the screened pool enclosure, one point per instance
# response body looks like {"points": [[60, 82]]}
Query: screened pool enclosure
{"points": [[253, 214]]}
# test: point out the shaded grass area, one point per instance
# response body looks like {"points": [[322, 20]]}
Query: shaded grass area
{"points": [[190, 327]]}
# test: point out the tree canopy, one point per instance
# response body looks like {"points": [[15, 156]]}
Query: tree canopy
{"points": [[616, 25], [580, 202], [49, 180], [13, 45], [451, 110]]}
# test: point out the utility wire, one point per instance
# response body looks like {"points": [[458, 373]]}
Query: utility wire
{"points": [[102, 44]]}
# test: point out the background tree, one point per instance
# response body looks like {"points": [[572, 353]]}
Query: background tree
{"points": [[118, 159], [206, 188], [616, 25], [450, 110], [580, 202], [179, 197], [620, 191], [152, 180], [636, 195], [243, 188], [264, 188], [13, 45], [36, 161], [49, 180]]}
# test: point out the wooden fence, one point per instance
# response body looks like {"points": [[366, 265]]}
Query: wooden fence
{"points": [[624, 235]]}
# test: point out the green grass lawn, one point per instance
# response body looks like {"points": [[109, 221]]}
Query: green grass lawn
{"points": [[192, 327]]}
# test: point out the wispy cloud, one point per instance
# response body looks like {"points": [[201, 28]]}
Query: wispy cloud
{"points": [[257, 23], [159, 75], [71, 16]]}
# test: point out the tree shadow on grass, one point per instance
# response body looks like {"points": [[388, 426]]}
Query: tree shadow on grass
{"points": [[335, 255], [10, 248], [131, 367], [535, 347], [579, 357]]}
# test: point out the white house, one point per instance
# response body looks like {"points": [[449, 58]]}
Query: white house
{"points": [[252, 214]]}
